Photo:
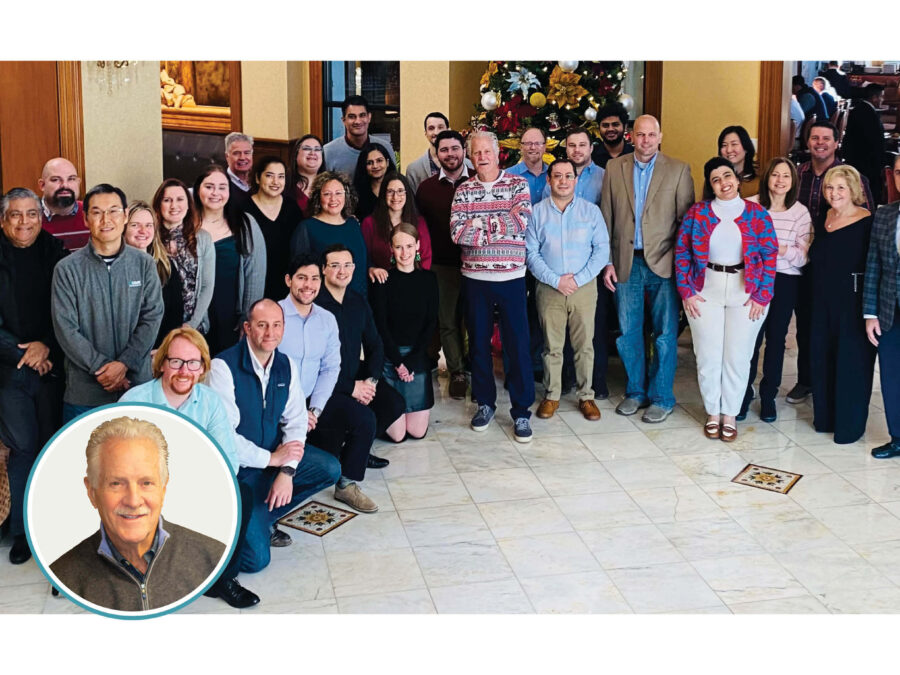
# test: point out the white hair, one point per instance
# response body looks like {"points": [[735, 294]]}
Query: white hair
{"points": [[489, 135], [236, 136], [128, 428]]}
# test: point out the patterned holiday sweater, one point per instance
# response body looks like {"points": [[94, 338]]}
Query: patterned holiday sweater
{"points": [[759, 242], [488, 221]]}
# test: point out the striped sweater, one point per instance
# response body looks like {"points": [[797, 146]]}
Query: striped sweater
{"points": [[488, 221]]}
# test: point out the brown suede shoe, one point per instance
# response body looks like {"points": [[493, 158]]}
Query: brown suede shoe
{"points": [[589, 409], [547, 408]]}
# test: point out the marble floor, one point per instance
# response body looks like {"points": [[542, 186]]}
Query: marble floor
{"points": [[615, 516]]}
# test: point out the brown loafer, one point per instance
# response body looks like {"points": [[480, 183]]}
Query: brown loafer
{"points": [[547, 408], [589, 409]]}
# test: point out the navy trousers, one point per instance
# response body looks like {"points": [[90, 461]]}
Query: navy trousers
{"points": [[889, 364]]}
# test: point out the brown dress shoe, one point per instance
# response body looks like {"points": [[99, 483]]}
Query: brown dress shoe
{"points": [[589, 409], [547, 408]]}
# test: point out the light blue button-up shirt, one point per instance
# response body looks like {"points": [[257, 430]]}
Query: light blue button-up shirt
{"points": [[314, 345], [535, 183], [574, 241], [203, 406], [590, 182], [643, 173]]}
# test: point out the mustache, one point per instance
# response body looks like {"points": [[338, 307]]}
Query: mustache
{"points": [[132, 514]]}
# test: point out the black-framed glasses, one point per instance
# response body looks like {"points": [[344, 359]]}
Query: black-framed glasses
{"points": [[193, 364]]}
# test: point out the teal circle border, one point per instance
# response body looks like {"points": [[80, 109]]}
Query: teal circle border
{"points": [[150, 614]]}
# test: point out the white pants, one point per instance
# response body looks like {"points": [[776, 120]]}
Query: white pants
{"points": [[723, 338]]}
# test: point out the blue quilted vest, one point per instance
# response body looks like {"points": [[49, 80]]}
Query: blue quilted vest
{"points": [[262, 429]]}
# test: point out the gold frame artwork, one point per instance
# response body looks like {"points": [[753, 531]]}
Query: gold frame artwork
{"points": [[207, 118]]}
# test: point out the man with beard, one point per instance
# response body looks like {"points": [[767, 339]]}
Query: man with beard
{"points": [[611, 119], [434, 197], [532, 167], [60, 185], [590, 176]]}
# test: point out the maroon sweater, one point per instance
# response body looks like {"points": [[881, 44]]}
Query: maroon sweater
{"points": [[70, 229], [433, 199]]}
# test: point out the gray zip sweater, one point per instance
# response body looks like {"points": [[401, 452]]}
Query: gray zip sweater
{"points": [[102, 313]]}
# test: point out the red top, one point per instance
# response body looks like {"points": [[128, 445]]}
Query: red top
{"points": [[70, 229], [380, 251]]}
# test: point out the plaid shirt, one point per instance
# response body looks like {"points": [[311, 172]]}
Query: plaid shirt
{"points": [[811, 189]]}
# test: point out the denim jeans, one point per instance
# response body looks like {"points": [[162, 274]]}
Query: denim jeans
{"points": [[30, 408], [664, 304], [70, 411], [316, 471]]}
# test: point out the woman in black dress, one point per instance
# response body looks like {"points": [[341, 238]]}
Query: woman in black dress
{"points": [[405, 311], [843, 357], [277, 217], [373, 164]]}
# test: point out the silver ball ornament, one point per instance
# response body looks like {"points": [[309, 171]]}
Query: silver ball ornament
{"points": [[490, 100], [590, 114], [568, 66], [627, 102]]}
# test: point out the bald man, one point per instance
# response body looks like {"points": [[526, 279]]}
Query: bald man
{"points": [[61, 210], [643, 199]]}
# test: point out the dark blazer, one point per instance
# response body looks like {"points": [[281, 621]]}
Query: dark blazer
{"points": [[882, 267], [863, 145], [669, 195]]}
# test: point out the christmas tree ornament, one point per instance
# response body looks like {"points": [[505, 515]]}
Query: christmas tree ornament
{"points": [[538, 100], [590, 114], [522, 80], [627, 102], [553, 121], [490, 100], [568, 66]]}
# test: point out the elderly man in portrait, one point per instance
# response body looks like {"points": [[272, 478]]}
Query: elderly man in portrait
{"points": [[137, 561], [179, 367]]}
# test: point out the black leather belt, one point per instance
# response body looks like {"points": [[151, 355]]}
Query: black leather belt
{"points": [[731, 269]]}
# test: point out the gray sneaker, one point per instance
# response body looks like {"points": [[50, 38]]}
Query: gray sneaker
{"points": [[629, 406], [655, 414]]}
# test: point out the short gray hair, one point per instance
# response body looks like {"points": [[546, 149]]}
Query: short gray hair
{"points": [[127, 428], [16, 193], [236, 136], [489, 135]]}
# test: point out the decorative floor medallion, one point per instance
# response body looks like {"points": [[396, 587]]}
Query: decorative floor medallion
{"points": [[764, 478], [316, 518]]}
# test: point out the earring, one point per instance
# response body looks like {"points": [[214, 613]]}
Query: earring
{"points": [[418, 257], [392, 260]]}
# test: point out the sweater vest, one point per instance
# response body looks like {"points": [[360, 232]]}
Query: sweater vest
{"points": [[260, 415]]}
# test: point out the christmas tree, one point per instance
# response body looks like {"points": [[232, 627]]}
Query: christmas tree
{"points": [[555, 96]]}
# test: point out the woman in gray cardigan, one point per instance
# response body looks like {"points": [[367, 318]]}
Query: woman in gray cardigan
{"points": [[240, 257]]}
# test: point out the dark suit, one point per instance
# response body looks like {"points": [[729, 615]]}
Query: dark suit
{"points": [[863, 145], [880, 297]]}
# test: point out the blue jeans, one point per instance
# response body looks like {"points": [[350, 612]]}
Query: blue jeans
{"points": [[70, 411], [316, 471], [664, 306]]}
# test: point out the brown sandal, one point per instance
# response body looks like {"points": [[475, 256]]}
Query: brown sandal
{"points": [[729, 433], [711, 430]]}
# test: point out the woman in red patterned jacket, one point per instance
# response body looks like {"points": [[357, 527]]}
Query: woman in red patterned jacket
{"points": [[725, 271]]}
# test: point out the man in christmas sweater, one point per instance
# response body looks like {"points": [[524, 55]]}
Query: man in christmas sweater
{"points": [[488, 218]]}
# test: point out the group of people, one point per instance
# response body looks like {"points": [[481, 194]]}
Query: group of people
{"points": [[296, 310]]}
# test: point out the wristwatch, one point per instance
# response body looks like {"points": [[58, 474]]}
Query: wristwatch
{"points": [[316, 412], [289, 470]]}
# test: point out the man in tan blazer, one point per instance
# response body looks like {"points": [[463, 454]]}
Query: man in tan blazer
{"points": [[643, 199]]}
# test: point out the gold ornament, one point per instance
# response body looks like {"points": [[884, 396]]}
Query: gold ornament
{"points": [[564, 88], [486, 78], [538, 100]]}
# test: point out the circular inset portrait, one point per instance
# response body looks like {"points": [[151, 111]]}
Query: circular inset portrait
{"points": [[132, 510]]}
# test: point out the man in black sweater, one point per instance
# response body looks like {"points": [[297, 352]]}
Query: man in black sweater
{"points": [[362, 406], [31, 377]]}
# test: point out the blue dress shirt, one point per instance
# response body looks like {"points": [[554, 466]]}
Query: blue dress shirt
{"points": [[535, 183], [643, 173], [590, 182]]}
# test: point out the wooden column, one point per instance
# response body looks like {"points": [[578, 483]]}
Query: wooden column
{"points": [[774, 111]]}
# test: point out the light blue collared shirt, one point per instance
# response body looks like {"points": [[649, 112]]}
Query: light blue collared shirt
{"points": [[643, 173], [314, 345], [535, 183], [590, 182], [574, 241], [107, 550], [203, 406]]}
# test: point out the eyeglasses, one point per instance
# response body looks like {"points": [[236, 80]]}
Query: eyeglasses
{"points": [[533, 144], [336, 266], [395, 193], [310, 148], [567, 176], [98, 214], [329, 195], [193, 365]]}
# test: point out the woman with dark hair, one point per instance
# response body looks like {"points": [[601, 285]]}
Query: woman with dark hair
{"points": [[277, 217], [189, 247], [307, 155], [240, 257], [735, 146], [405, 311], [779, 187], [839, 347], [373, 164], [395, 205], [332, 203], [726, 249], [142, 232]]}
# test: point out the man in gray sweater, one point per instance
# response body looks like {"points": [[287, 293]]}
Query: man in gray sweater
{"points": [[107, 306]]}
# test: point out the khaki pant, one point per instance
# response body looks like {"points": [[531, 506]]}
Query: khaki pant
{"points": [[555, 312]]}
